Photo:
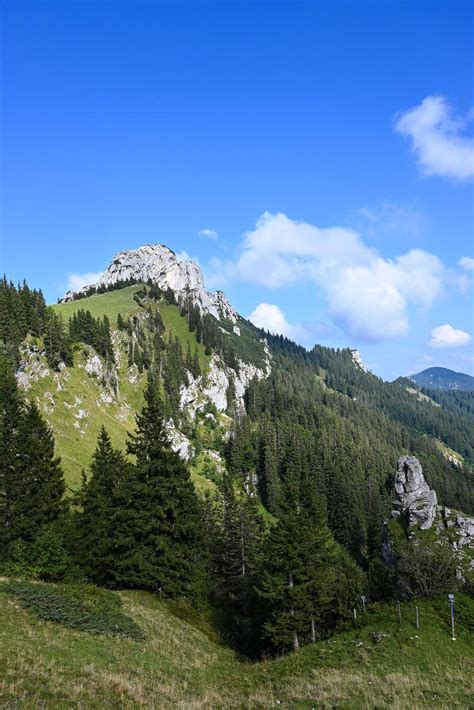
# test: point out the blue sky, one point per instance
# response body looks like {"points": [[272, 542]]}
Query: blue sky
{"points": [[327, 146]]}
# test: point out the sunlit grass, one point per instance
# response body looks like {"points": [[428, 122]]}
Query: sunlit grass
{"points": [[182, 664]]}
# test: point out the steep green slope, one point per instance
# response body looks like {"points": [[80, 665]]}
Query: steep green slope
{"points": [[122, 301], [76, 405], [182, 664], [78, 400]]}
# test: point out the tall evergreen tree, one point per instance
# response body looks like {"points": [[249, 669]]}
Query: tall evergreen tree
{"points": [[31, 479], [101, 499], [302, 569], [38, 491], [239, 559], [159, 528], [11, 412]]}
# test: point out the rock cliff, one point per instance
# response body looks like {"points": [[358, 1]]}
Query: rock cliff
{"points": [[160, 265], [416, 505], [414, 499]]}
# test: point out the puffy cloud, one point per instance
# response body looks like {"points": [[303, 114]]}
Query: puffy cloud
{"points": [[271, 318], [445, 336], [437, 138], [367, 296], [208, 233], [466, 263], [77, 281]]}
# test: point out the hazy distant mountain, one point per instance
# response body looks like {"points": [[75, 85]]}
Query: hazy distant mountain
{"points": [[441, 378]]}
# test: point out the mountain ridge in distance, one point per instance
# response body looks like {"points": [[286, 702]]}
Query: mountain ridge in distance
{"points": [[441, 378]]}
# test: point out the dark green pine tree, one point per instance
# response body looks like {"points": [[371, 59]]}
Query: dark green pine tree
{"points": [[56, 342], [196, 367], [242, 449], [101, 498], [159, 527], [31, 479], [37, 494], [240, 557], [269, 478], [11, 412], [302, 570]]}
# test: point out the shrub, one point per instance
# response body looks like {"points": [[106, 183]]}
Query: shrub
{"points": [[427, 567], [85, 608]]}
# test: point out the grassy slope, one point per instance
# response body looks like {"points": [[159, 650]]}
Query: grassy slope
{"points": [[76, 435], [181, 663], [63, 396], [121, 301], [106, 304]]}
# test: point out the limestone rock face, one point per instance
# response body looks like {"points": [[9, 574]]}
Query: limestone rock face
{"points": [[179, 442], [357, 360], [212, 388], [159, 264], [415, 499]]}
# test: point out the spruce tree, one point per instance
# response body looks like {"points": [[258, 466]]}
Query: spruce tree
{"points": [[159, 528], [37, 494], [240, 556], [300, 578], [101, 499], [31, 479], [11, 412]]}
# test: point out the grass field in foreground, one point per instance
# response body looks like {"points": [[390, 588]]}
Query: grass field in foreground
{"points": [[182, 664]]}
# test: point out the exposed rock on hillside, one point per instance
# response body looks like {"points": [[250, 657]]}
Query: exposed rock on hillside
{"points": [[416, 504], [213, 387], [159, 264], [357, 360], [415, 500]]}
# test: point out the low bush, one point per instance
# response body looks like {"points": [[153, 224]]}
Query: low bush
{"points": [[82, 607]]}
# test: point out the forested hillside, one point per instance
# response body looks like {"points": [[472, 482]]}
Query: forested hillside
{"points": [[291, 452]]}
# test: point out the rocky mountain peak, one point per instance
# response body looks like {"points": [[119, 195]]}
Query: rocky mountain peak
{"points": [[160, 265]]}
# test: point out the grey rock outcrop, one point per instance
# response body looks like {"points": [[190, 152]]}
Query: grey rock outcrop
{"points": [[415, 500], [160, 265]]}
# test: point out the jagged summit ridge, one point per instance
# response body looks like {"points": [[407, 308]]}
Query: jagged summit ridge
{"points": [[159, 264]]}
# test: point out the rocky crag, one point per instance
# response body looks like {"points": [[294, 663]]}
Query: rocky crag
{"points": [[158, 264], [417, 512], [414, 500]]}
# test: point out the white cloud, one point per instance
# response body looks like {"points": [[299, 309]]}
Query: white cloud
{"points": [[466, 263], [445, 336], [271, 318], [77, 281], [367, 296], [208, 233], [438, 140]]}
